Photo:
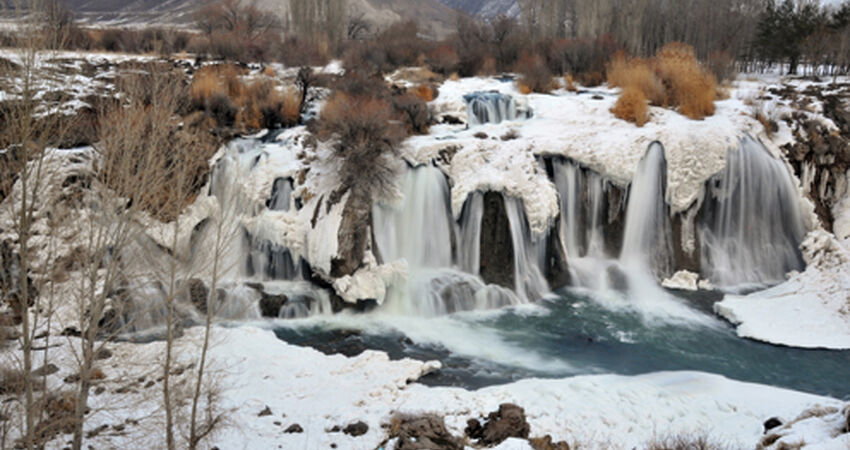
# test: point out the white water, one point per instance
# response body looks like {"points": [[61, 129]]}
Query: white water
{"points": [[753, 226], [469, 255], [490, 107], [627, 283], [530, 284], [646, 238], [420, 230]]}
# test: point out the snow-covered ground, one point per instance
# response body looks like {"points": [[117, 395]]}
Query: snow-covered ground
{"points": [[254, 370], [810, 310]]}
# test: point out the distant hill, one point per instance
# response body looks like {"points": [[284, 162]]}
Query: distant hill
{"points": [[436, 17], [485, 9]]}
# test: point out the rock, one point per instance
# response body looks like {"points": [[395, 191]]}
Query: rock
{"points": [[355, 429], [197, 293], [270, 305], [545, 443], [354, 233], [71, 331], [103, 353], [771, 423], [265, 412], [48, 369], [509, 421], [294, 428], [497, 263], [423, 433]]}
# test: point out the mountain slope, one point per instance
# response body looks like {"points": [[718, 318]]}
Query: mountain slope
{"points": [[485, 9]]}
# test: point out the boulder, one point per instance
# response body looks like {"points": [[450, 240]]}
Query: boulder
{"points": [[423, 433], [355, 429], [508, 422]]}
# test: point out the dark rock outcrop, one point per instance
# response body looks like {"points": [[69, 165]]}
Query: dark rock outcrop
{"points": [[355, 429], [771, 423], [497, 251], [546, 443], [508, 422], [353, 235], [423, 433]]}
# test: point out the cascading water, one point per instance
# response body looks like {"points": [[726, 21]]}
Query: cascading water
{"points": [[469, 254], [751, 225], [492, 107], [530, 284], [647, 235], [421, 231], [583, 212], [281, 195]]}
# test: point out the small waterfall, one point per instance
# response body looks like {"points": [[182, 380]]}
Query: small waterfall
{"points": [[751, 225], [491, 107], [421, 231], [469, 253], [648, 229], [583, 209], [530, 282], [281, 195]]}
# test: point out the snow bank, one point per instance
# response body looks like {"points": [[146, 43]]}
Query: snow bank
{"points": [[581, 127], [254, 371], [810, 310], [822, 428]]}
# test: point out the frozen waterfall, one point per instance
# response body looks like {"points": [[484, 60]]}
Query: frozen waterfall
{"points": [[492, 107]]}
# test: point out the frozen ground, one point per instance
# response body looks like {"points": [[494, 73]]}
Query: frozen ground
{"points": [[810, 310], [254, 370]]}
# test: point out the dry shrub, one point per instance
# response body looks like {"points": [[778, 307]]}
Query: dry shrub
{"points": [[425, 92], [688, 85], [444, 59], [12, 381], [146, 157], [366, 141], [413, 111], [536, 77], [684, 442], [569, 83], [631, 106], [636, 73], [673, 79], [209, 81]]}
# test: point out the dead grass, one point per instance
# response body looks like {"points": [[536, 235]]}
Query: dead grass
{"points": [[688, 85], [632, 106], [674, 78], [684, 442], [425, 92]]}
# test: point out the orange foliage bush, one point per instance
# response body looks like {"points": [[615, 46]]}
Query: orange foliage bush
{"points": [[257, 105], [536, 77], [425, 92], [688, 85], [631, 106], [674, 78]]}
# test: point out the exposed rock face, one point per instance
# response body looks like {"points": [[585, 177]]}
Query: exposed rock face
{"points": [[423, 433], [820, 156], [557, 266], [509, 421], [354, 233], [497, 251], [197, 293]]}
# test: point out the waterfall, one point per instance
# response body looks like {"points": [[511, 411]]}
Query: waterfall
{"points": [[491, 107], [469, 253], [751, 224], [421, 231], [648, 231], [281, 195], [528, 276], [583, 209]]}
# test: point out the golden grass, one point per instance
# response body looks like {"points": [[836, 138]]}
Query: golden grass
{"points": [[674, 78], [632, 106]]}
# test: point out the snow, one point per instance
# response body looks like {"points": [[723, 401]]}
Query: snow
{"points": [[371, 282], [682, 279], [821, 428], [810, 310], [253, 370], [580, 126]]}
